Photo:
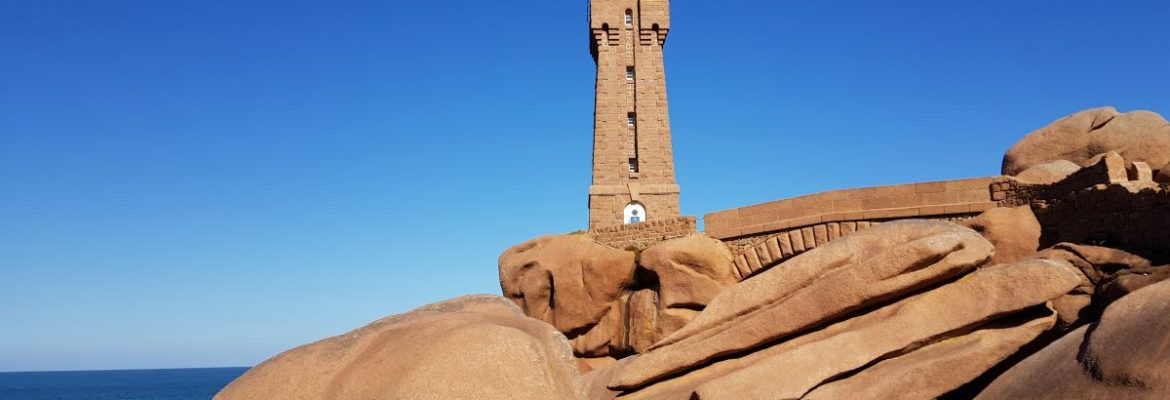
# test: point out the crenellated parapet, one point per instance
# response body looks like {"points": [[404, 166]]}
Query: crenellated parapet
{"points": [[654, 21], [610, 20]]}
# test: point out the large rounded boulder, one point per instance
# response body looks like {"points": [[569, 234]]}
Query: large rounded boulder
{"points": [[474, 347], [577, 285], [1137, 136], [691, 271], [569, 281], [687, 273]]}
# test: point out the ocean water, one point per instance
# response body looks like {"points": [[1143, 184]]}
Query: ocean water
{"points": [[150, 384]]}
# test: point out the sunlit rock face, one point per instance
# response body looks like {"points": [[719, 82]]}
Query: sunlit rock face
{"points": [[474, 347], [870, 307], [612, 303], [1126, 355], [1140, 136]]}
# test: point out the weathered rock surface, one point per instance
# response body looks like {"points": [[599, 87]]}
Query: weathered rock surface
{"points": [[922, 346], [1108, 274], [1097, 263], [813, 289], [608, 304], [1138, 136], [643, 321], [608, 338], [1130, 280], [597, 380], [691, 271], [474, 347], [1014, 232], [587, 365], [688, 272], [573, 283], [1124, 356], [1162, 175], [927, 318], [1049, 172], [938, 368]]}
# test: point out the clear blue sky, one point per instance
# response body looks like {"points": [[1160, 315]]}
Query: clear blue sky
{"points": [[207, 183]]}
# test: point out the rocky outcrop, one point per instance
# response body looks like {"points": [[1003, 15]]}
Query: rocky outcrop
{"points": [[1014, 232], [609, 302], [814, 289], [1124, 356], [929, 318], [597, 380], [914, 309], [1048, 173], [1095, 262], [688, 273], [575, 284], [1108, 275], [475, 347], [977, 322], [937, 368], [1140, 136], [691, 271], [1127, 281]]}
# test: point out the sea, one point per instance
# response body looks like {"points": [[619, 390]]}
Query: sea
{"points": [[149, 384]]}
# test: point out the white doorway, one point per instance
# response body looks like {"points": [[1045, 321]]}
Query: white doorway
{"points": [[634, 213]]}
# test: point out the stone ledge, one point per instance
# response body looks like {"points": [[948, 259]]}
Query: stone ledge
{"points": [[624, 189]]}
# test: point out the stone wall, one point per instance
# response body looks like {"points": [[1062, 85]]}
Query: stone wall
{"points": [[916, 200], [1130, 216], [1111, 168], [641, 235], [1112, 203]]}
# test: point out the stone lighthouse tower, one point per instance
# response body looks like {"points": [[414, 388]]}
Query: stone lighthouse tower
{"points": [[633, 164]]}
